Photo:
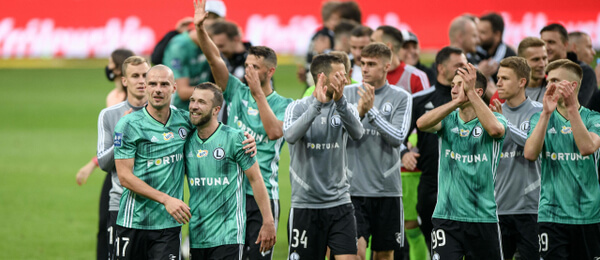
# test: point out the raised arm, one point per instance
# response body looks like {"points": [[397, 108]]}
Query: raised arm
{"points": [[210, 50], [267, 234], [348, 113], [272, 125], [587, 142], [395, 131], [488, 120], [535, 141], [431, 121]]}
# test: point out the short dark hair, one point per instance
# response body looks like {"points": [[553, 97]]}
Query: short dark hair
{"points": [[519, 66], [216, 90], [444, 54], [322, 64], [556, 27], [264, 52], [377, 50], [480, 82], [119, 56], [529, 42], [495, 20], [344, 57], [349, 10], [230, 29], [393, 35], [345, 27], [328, 8], [567, 65], [361, 31]]}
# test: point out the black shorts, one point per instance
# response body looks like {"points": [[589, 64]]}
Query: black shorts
{"points": [[111, 234], [224, 252], [426, 201], [520, 232], [253, 224], [454, 239], [563, 241], [147, 244], [382, 219], [311, 231]]}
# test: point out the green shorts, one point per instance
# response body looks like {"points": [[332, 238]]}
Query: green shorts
{"points": [[410, 182]]}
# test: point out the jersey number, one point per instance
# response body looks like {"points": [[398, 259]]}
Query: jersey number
{"points": [[125, 243], [110, 235], [302, 240], [543, 242], [438, 238]]}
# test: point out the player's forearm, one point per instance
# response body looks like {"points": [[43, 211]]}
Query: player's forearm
{"points": [[260, 193], [430, 120], [489, 122], [106, 159], [294, 127], [350, 119], [272, 125], [586, 142], [135, 184], [213, 56], [515, 135], [395, 131], [184, 90], [535, 142]]}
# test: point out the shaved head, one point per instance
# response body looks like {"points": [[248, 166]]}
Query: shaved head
{"points": [[162, 68]]}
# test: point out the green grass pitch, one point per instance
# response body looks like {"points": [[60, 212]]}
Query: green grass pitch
{"points": [[49, 131]]}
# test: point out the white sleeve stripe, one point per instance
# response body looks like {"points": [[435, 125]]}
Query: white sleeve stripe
{"points": [[289, 113], [517, 131], [397, 133]]}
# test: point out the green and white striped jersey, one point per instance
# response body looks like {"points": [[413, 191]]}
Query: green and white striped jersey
{"points": [[469, 157], [215, 170]]}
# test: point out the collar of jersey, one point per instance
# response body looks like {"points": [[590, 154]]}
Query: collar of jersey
{"points": [[385, 86], [210, 137], [152, 119], [562, 118], [472, 121]]}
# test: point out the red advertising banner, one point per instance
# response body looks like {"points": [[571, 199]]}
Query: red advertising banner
{"points": [[81, 29]]}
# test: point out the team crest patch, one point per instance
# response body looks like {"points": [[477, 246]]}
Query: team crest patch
{"points": [[219, 153], [399, 238], [294, 256], [464, 133], [386, 109], [477, 131], [176, 64], [118, 141], [252, 111], [524, 126], [336, 121], [182, 133], [565, 130], [202, 153], [435, 256], [168, 136]]}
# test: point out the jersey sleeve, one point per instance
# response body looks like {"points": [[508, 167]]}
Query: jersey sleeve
{"points": [[243, 159], [515, 134], [175, 58], [395, 131], [104, 151], [533, 122], [502, 121], [419, 82], [298, 119], [234, 86], [350, 119], [593, 123], [124, 140]]}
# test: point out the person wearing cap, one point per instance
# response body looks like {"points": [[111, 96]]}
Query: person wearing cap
{"points": [[184, 56], [410, 54]]}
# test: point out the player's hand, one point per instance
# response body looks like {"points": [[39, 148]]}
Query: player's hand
{"points": [[301, 73], [253, 81], [200, 13], [567, 91], [84, 173], [550, 99], [250, 144], [178, 209], [409, 160], [337, 84], [488, 67], [469, 75], [320, 92], [182, 25], [266, 236], [367, 97], [496, 106]]}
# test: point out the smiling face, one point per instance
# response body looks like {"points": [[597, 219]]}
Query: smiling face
{"points": [[556, 48], [160, 85], [537, 59], [135, 80], [201, 107]]}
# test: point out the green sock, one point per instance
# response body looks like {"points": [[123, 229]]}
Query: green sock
{"points": [[416, 241]]}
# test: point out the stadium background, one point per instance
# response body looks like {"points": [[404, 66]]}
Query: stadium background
{"points": [[53, 88]]}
